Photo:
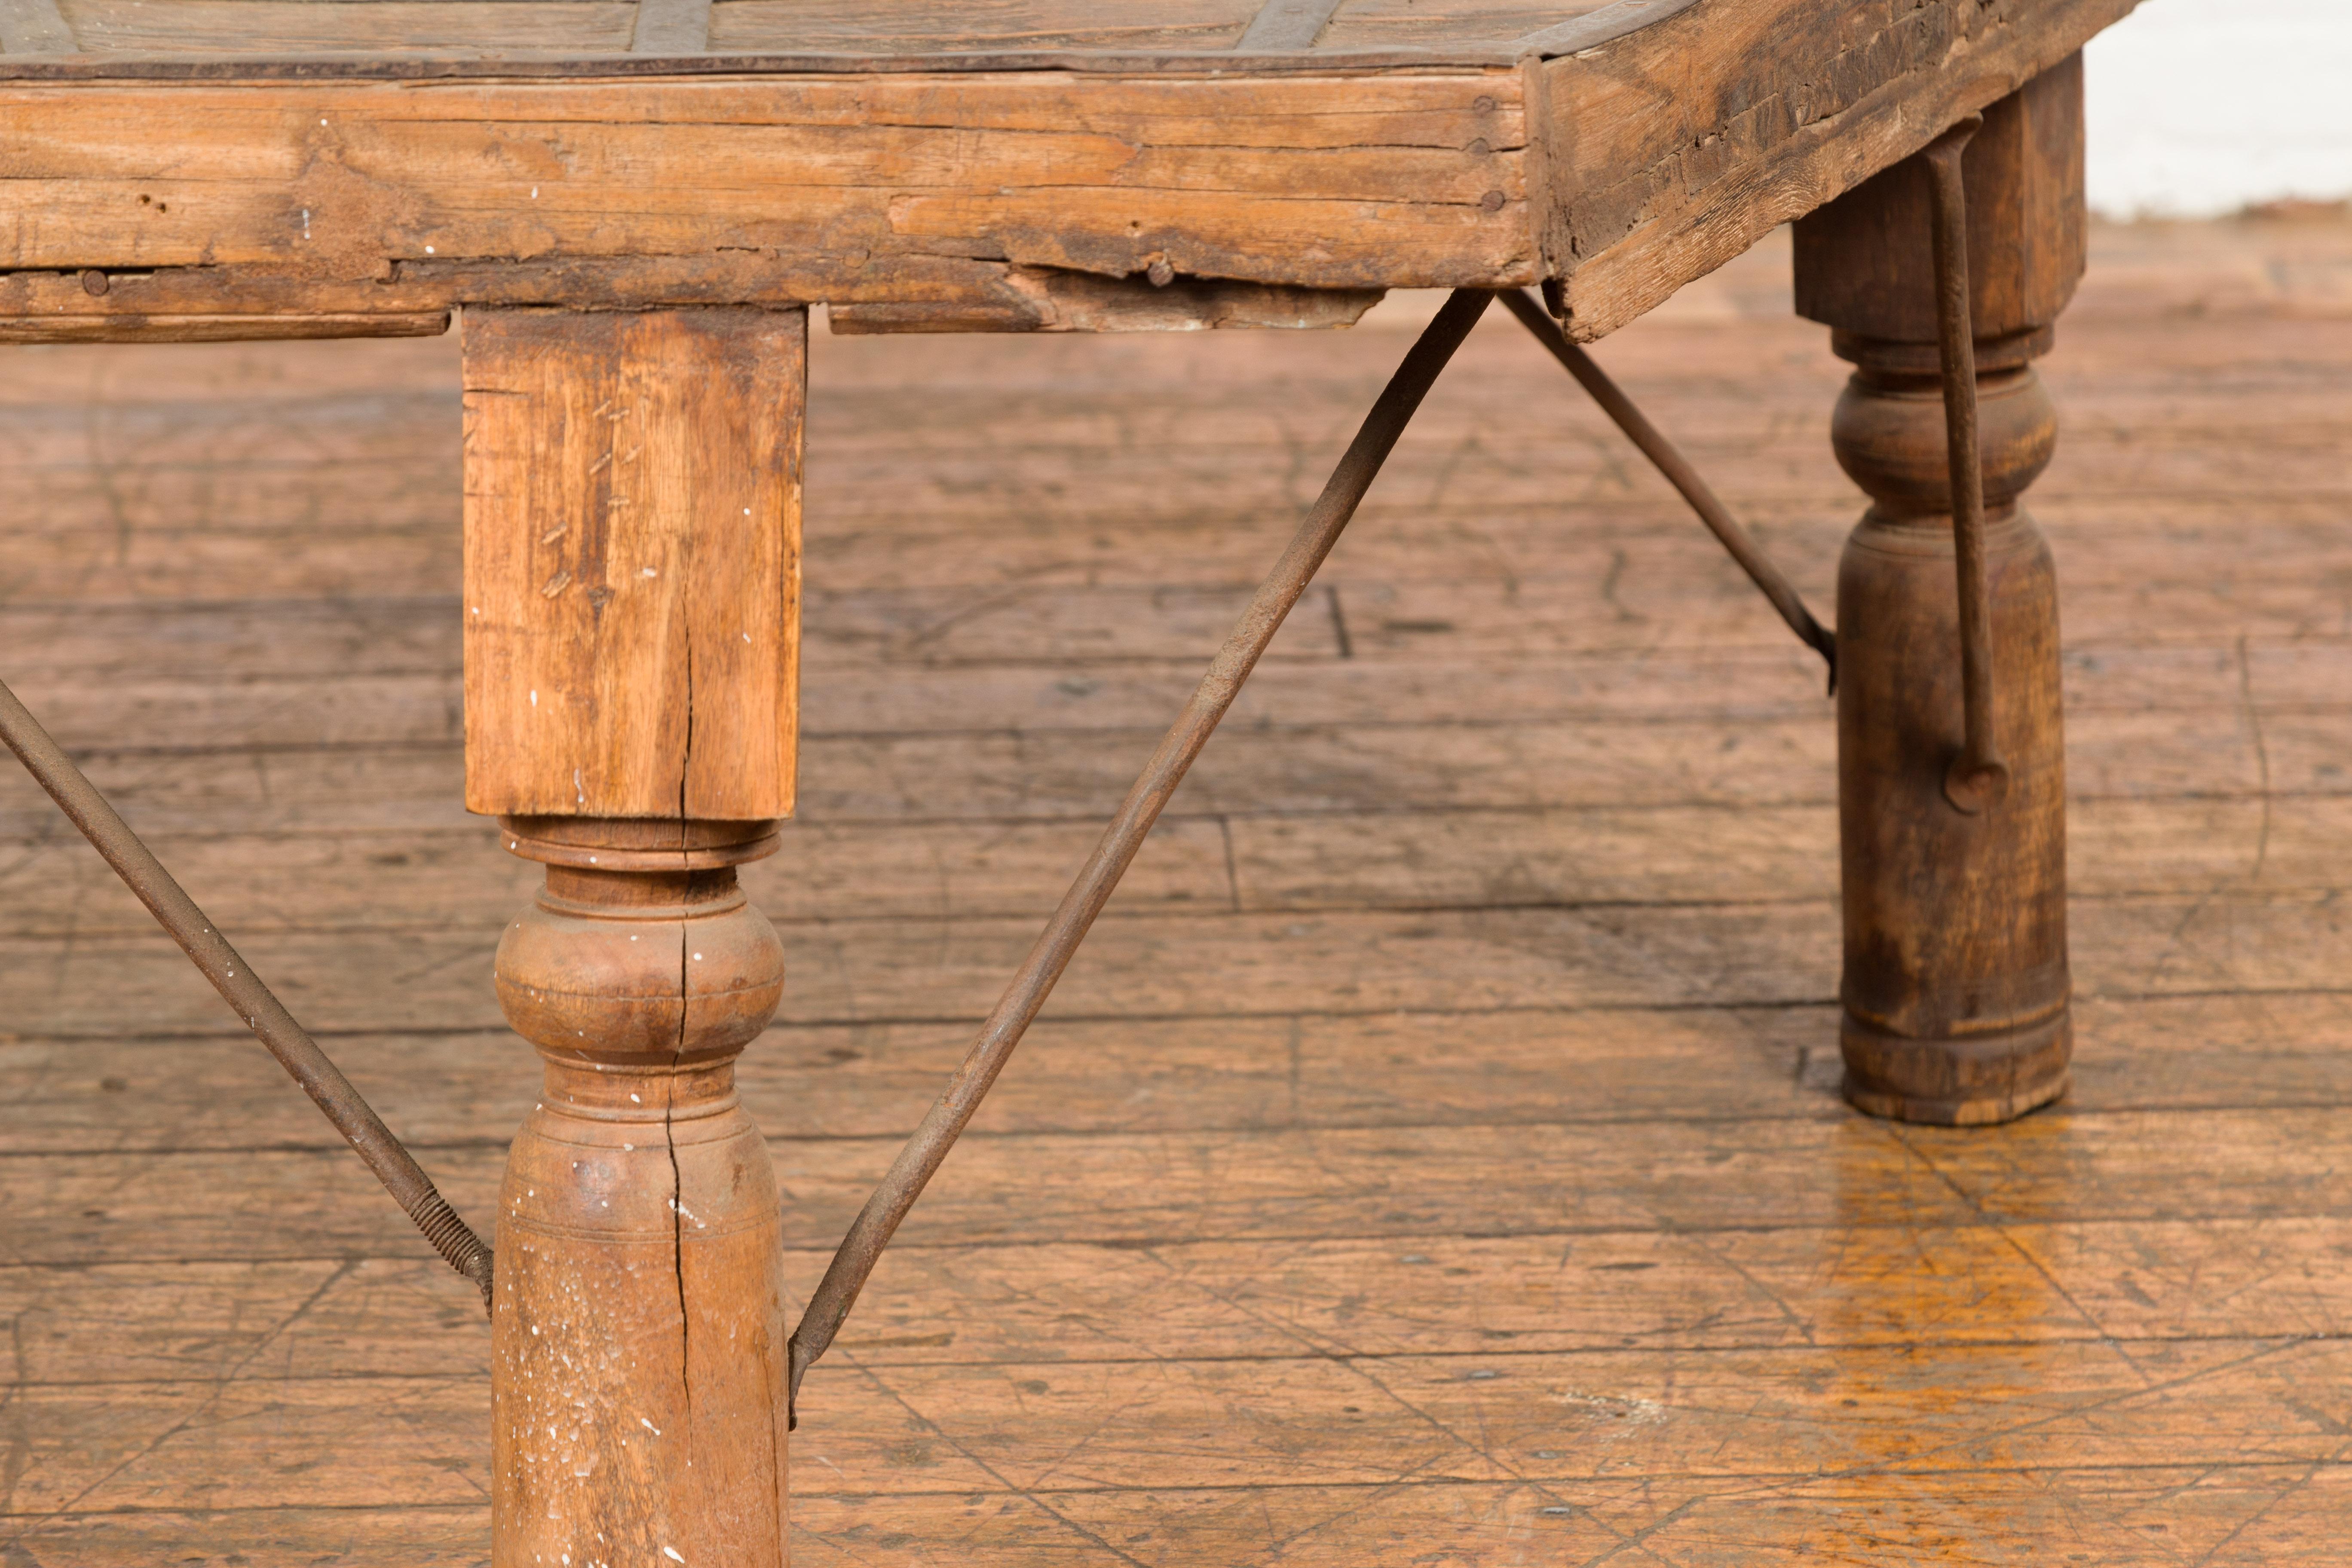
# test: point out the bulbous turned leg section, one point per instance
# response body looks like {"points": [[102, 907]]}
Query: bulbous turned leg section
{"points": [[638, 1335], [1955, 988]]}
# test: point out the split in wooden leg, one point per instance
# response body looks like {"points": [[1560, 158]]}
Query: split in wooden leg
{"points": [[638, 1334]]}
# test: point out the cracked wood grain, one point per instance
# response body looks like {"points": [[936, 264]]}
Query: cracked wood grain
{"points": [[328, 197], [633, 562]]}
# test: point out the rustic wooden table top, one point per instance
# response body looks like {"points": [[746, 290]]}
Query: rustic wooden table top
{"points": [[193, 168]]}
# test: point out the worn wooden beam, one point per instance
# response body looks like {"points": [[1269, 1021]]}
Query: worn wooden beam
{"points": [[1674, 148], [308, 190], [1642, 159], [205, 304]]}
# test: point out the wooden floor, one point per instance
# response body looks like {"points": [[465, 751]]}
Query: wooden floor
{"points": [[1433, 1159]]}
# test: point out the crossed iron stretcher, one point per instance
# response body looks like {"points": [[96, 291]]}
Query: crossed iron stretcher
{"points": [[1977, 780]]}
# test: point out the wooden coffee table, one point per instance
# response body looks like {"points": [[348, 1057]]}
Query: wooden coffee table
{"points": [[630, 209]]}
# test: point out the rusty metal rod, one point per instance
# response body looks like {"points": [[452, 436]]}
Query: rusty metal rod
{"points": [[286, 1040], [1978, 777], [1668, 459], [846, 1276]]}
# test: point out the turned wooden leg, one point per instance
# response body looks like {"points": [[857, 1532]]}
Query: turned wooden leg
{"points": [[1955, 989], [631, 526], [638, 1335]]}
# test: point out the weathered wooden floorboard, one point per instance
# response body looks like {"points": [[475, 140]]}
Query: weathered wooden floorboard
{"points": [[214, 1092], [394, 1315], [1622, 592], [1319, 1086], [1540, 1419], [2249, 1516], [871, 702], [1404, 1183], [1243, 861], [1209, 965], [1235, 502]]}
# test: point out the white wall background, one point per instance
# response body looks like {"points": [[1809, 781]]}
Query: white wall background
{"points": [[2197, 108]]}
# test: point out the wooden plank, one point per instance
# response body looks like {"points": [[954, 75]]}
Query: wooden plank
{"points": [[191, 1444], [254, 883], [1646, 595], [1222, 523], [1395, 1183], [1599, 25], [200, 28], [2288, 681], [1390, 1182], [2241, 1516], [1404, 24], [632, 509], [826, 1081], [1539, 764], [86, 1327], [1572, 1420], [221, 329], [1483, 860], [290, 649], [917, 26], [1539, 1420], [117, 522], [1275, 770], [1464, 1295], [1306, 1070], [237, 640], [1613, 570], [1234, 966], [355, 1316], [423, 1537], [2244, 1515], [168, 534], [1289, 863], [34, 28], [1770, 954], [671, 28], [1780, 130]]}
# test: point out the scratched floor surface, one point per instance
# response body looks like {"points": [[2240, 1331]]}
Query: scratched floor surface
{"points": [[1433, 1159]]}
